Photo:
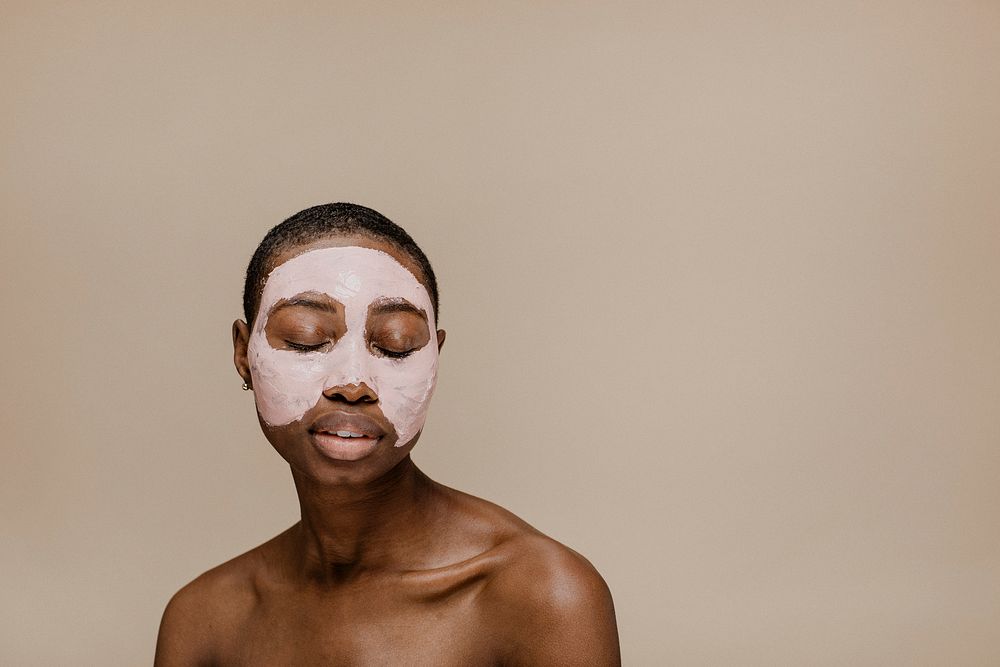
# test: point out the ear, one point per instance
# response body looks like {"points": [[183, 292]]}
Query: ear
{"points": [[241, 339], [441, 333]]}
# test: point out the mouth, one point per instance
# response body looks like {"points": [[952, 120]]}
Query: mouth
{"points": [[346, 437], [344, 434]]}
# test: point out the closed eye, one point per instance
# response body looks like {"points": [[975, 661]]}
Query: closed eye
{"points": [[392, 354], [299, 347]]}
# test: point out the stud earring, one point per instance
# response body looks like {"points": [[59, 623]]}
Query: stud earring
{"points": [[246, 387]]}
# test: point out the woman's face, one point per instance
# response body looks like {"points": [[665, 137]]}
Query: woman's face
{"points": [[342, 356]]}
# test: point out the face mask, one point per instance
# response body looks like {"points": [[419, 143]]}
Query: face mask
{"points": [[287, 383]]}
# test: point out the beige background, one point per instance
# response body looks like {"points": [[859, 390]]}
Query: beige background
{"points": [[720, 281]]}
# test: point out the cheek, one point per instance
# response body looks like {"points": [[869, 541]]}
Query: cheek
{"points": [[286, 384], [405, 390]]}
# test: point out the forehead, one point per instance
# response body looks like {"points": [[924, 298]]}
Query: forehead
{"points": [[346, 273], [345, 241]]}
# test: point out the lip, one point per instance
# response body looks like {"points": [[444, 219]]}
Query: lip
{"points": [[323, 432]]}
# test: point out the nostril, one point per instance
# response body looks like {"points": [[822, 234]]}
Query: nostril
{"points": [[355, 393]]}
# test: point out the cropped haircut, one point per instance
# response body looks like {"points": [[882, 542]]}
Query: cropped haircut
{"points": [[324, 221]]}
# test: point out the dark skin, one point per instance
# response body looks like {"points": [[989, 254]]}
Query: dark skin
{"points": [[386, 566]]}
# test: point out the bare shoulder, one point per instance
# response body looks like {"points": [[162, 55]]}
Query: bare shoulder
{"points": [[209, 609], [553, 602], [556, 603], [543, 575]]}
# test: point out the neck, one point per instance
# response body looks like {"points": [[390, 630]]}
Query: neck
{"points": [[346, 530]]}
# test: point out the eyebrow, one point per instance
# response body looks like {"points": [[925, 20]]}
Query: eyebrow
{"points": [[399, 305], [306, 302]]}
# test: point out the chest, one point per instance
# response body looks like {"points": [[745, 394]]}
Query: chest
{"points": [[364, 625]]}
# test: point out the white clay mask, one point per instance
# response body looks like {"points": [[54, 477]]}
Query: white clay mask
{"points": [[289, 382]]}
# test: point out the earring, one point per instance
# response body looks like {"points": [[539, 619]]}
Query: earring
{"points": [[246, 387]]}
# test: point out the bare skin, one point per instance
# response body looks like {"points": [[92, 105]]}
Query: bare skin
{"points": [[388, 567]]}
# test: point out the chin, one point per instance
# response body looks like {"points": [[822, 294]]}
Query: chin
{"points": [[309, 462]]}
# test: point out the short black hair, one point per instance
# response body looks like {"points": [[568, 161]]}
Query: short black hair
{"points": [[320, 222]]}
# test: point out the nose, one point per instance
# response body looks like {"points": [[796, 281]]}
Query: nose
{"points": [[351, 393]]}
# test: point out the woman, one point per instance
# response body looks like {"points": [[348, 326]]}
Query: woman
{"points": [[340, 347]]}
